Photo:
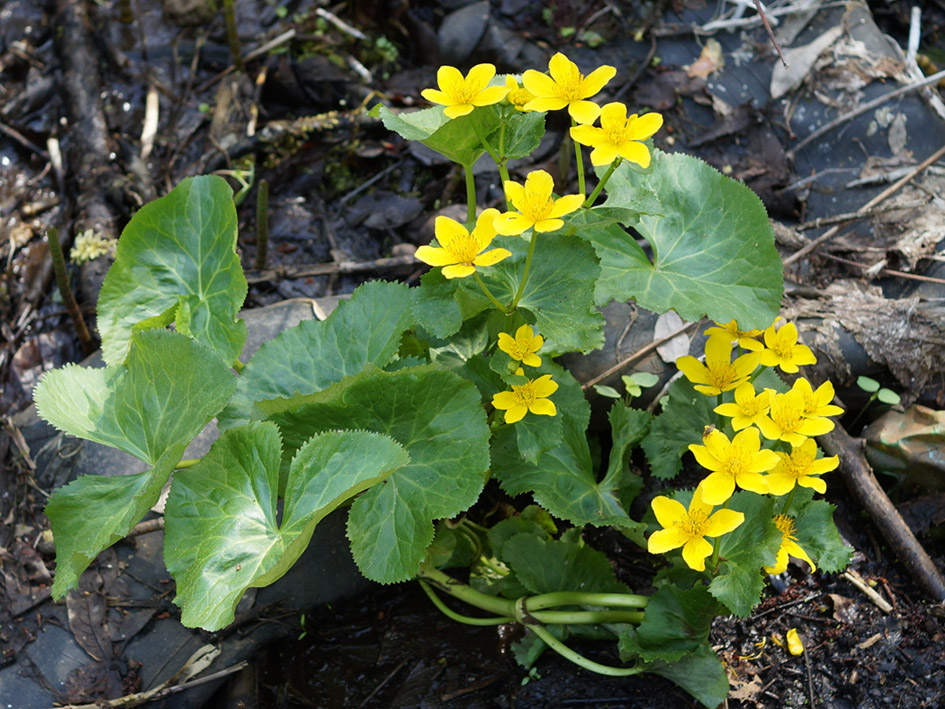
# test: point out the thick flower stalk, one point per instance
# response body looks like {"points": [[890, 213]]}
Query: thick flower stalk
{"points": [[689, 528], [518, 96], [800, 467], [719, 373], [789, 547], [746, 339], [619, 136], [461, 252], [567, 87], [537, 207], [786, 420], [740, 462], [783, 350], [748, 407], [459, 94], [523, 346], [532, 396]]}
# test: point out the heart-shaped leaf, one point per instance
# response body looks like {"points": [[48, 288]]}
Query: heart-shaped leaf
{"points": [[222, 534], [139, 409], [176, 262]]}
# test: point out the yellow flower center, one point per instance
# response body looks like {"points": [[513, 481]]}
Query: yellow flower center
{"points": [[519, 97], [617, 133], [736, 463], [785, 525], [797, 464], [751, 407], [520, 350], [788, 417], [571, 88], [465, 249], [693, 524], [537, 207], [783, 348], [525, 394], [721, 374]]}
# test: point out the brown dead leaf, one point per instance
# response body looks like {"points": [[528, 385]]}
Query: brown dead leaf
{"points": [[746, 691], [844, 609], [710, 61], [86, 610]]}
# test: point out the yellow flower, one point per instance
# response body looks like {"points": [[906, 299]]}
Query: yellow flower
{"points": [[461, 94], [719, 373], [689, 528], [536, 206], [460, 252], [799, 467], [523, 346], [747, 407], [740, 461], [567, 87], [817, 403], [743, 338], [786, 420], [782, 349], [530, 396], [517, 96], [618, 135], [789, 546]]}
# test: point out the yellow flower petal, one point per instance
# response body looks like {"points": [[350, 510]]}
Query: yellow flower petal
{"points": [[511, 224], [545, 103], [717, 488], [539, 84], [543, 407], [668, 511], [724, 521], [597, 79], [548, 225], [665, 540], [491, 257], [565, 205], [460, 270], [479, 77], [457, 111], [636, 152], [584, 111], [695, 552], [433, 256], [646, 125]]}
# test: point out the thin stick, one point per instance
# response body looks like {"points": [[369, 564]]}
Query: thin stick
{"points": [[636, 355], [892, 189], [764, 18], [262, 224], [853, 216], [888, 271], [868, 106], [62, 280]]}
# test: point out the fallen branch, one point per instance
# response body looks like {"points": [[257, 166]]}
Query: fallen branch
{"points": [[867, 491], [328, 269], [885, 194]]}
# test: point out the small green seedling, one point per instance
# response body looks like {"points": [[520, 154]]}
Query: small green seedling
{"points": [[871, 386], [633, 383]]}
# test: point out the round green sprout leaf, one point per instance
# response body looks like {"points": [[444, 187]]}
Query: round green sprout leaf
{"points": [[607, 391], [867, 384], [888, 396]]}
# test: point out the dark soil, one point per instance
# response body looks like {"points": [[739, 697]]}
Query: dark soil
{"points": [[344, 190]]}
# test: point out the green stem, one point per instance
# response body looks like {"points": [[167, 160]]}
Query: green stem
{"points": [[580, 162], [502, 607], [789, 500], [528, 265], [580, 598], [489, 295], [485, 143], [262, 224], [68, 299], [470, 196], [589, 202], [579, 659], [453, 615], [232, 35]]}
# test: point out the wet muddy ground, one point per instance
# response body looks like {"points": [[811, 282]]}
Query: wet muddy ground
{"points": [[350, 201]]}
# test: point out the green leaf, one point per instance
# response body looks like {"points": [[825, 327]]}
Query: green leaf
{"points": [[453, 139], [867, 384], [817, 535], [888, 396], [676, 622], [222, 534], [683, 419], [177, 256], [607, 391], [700, 672], [438, 418], [440, 306], [523, 134], [713, 247], [547, 566], [744, 551], [314, 354], [559, 292], [628, 426], [135, 407], [564, 483]]}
